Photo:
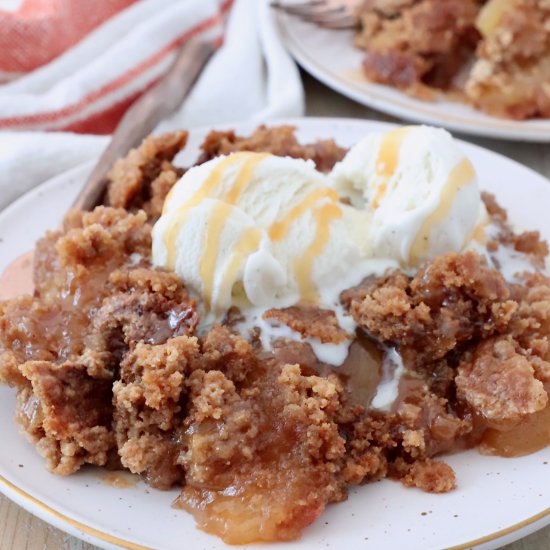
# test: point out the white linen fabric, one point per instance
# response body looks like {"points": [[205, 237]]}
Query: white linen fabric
{"points": [[250, 77]]}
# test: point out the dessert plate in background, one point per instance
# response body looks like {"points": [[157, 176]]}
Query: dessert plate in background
{"points": [[330, 57], [497, 500]]}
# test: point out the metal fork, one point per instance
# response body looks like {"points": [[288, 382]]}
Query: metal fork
{"points": [[330, 14]]}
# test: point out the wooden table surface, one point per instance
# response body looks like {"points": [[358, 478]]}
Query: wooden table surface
{"points": [[20, 530]]}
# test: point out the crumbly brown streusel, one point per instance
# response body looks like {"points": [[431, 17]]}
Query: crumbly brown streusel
{"points": [[495, 54], [143, 178], [416, 44], [511, 76], [280, 141]]}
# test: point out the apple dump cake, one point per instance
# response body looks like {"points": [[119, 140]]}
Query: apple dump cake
{"points": [[282, 321], [496, 51]]}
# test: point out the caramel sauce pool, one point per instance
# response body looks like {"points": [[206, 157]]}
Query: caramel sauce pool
{"points": [[530, 436]]}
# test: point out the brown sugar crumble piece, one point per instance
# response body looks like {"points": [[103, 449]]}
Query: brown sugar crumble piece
{"points": [[416, 44], [304, 450], [277, 140], [511, 77], [148, 413], [143, 178], [527, 242], [63, 348], [431, 476], [67, 413], [531, 325], [494, 53], [451, 300], [316, 323], [496, 370]]}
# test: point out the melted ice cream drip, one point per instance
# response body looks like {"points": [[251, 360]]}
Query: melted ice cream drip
{"points": [[388, 389]]}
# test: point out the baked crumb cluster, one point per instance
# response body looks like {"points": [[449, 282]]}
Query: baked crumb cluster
{"points": [[511, 77], [413, 44], [501, 48], [109, 368]]}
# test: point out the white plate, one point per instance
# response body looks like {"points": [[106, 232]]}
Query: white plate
{"points": [[497, 500], [330, 57]]}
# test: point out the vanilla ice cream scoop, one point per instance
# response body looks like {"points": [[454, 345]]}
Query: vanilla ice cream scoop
{"points": [[257, 230], [419, 190]]}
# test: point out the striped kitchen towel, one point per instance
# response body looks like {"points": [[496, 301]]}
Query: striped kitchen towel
{"points": [[78, 64], [87, 88]]}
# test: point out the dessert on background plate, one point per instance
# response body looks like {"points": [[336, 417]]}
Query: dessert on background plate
{"points": [[496, 52], [511, 75], [266, 332]]}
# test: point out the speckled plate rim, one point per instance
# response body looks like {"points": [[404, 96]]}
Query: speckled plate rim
{"points": [[64, 522], [393, 102], [110, 542], [87, 532]]}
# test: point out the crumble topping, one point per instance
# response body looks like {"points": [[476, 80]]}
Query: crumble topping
{"points": [[143, 178], [511, 77], [495, 53], [321, 324], [280, 141], [452, 300], [497, 369], [417, 44], [110, 370]]}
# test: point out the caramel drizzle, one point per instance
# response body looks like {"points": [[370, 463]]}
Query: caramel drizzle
{"points": [[322, 216], [479, 233], [211, 246], [167, 199], [303, 266], [249, 160], [461, 175], [247, 244], [245, 176], [278, 230], [387, 160], [251, 238]]}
